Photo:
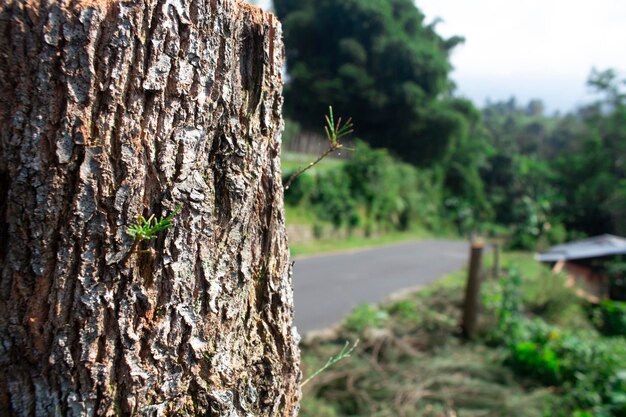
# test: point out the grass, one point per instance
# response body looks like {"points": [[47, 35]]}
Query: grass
{"points": [[301, 216], [543, 292], [292, 161], [345, 242], [412, 363], [456, 380], [322, 246], [523, 261]]}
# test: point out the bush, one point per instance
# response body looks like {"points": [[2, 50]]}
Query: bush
{"points": [[405, 310], [540, 362], [370, 191], [386, 189], [557, 234], [616, 270], [548, 296], [365, 316], [333, 200], [300, 190], [589, 367], [592, 369], [612, 317]]}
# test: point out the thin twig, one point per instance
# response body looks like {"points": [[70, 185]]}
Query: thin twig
{"points": [[330, 150], [343, 353], [334, 132]]}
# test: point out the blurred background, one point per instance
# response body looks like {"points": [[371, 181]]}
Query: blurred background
{"points": [[509, 114], [499, 121]]}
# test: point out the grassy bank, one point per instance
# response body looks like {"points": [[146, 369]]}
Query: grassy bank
{"points": [[538, 353], [367, 200], [348, 243]]}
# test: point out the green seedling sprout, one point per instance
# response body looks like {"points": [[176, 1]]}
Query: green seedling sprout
{"points": [[334, 132], [146, 229]]}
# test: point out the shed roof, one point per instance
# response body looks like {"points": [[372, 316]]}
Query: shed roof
{"points": [[595, 247]]}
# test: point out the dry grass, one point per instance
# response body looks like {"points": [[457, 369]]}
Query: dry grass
{"points": [[413, 365]]}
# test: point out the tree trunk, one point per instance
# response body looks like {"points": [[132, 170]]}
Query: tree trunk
{"points": [[113, 109]]}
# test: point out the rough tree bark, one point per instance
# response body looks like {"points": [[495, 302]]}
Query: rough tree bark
{"points": [[112, 109]]}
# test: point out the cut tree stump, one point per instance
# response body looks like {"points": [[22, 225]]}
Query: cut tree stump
{"points": [[110, 110]]}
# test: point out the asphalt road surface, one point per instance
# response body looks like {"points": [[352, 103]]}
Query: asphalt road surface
{"points": [[328, 287]]}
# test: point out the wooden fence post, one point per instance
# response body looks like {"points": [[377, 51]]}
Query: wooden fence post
{"points": [[472, 290], [496, 260]]}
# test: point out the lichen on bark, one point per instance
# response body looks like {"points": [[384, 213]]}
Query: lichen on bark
{"points": [[112, 109]]}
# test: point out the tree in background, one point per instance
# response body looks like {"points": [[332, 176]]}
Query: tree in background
{"points": [[545, 173], [592, 170], [460, 171], [379, 62]]}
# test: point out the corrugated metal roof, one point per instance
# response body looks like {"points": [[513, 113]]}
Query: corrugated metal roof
{"points": [[595, 247]]}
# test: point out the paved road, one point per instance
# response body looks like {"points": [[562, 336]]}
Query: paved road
{"points": [[328, 287]]}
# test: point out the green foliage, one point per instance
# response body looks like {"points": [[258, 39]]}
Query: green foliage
{"points": [[300, 190], [532, 359], [333, 200], [376, 183], [531, 222], [544, 178], [556, 234], [146, 229], [365, 316], [334, 130], [413, 366], [405, 310], [550, 177], [511, 304], [315, 407], [517, 176], [370, 191], [616, 271], [588, 366], [611, 317]]}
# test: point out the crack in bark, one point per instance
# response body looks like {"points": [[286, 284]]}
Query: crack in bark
{"points": [[4, 221]]}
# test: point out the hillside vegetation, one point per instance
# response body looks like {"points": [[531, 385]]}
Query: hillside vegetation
{"points": [[370, 192], [506, 169]]}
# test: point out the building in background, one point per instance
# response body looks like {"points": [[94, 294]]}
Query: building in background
{"points": [[592, 265]]}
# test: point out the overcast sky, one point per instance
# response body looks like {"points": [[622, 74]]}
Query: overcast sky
{"points": [[531, 48]]}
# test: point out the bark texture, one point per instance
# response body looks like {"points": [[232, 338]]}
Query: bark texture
{"points": [[112, 109]]}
